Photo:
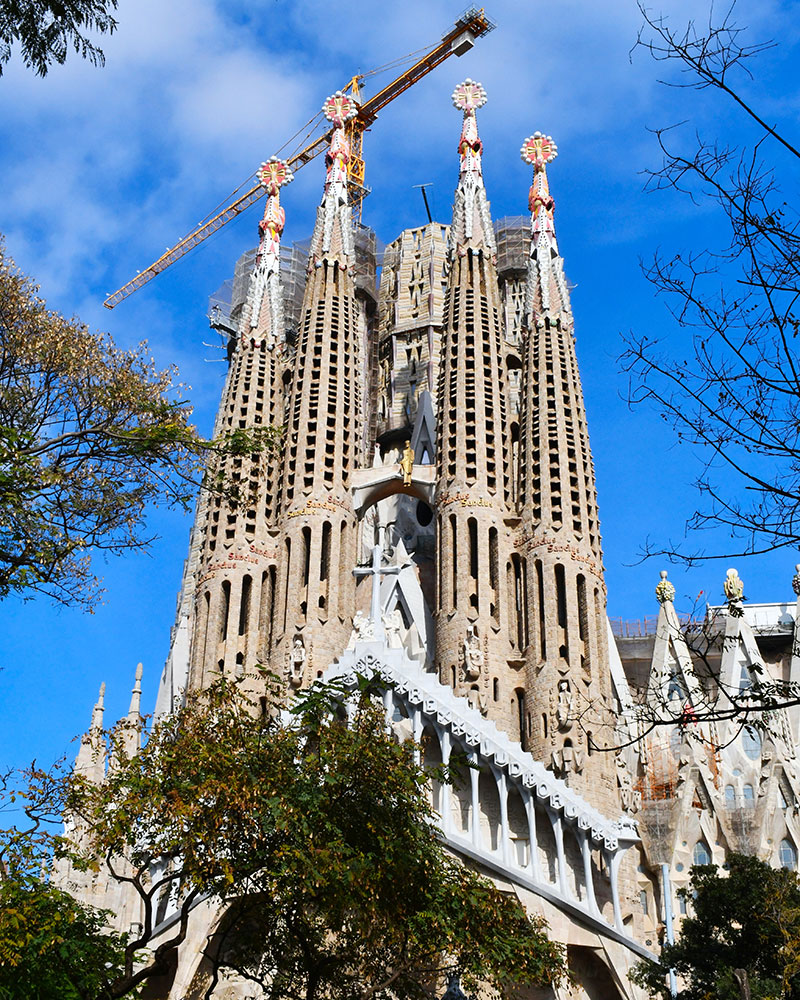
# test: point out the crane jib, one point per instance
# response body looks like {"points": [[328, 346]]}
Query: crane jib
{"points": [[473, 24]]}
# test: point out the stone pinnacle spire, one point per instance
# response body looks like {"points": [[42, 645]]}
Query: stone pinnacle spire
{"points": [[134, 712], [90, 761], [333, 238], [132, 732], [547, 288], [472, 224], [264, 311]]}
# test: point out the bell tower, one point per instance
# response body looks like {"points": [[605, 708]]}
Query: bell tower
{"points": [[473, 491], [235, 575], [567, 683], [316, 587]]}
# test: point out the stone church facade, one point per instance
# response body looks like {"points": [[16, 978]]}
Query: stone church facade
{"points": [[431, 515]]}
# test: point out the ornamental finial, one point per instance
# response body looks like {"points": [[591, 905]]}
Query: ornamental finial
{"points": [[733, 586], [469, 95], [339, 108], [273, 174], [665, 591], [539, 150]]}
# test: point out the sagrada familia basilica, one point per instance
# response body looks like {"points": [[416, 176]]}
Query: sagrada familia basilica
{"points": [[431, 515]]}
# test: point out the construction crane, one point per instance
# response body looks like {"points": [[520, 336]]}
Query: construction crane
{"points": [[472, 24]]}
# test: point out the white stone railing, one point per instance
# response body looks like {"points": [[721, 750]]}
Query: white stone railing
{"points": [[511, 815]]}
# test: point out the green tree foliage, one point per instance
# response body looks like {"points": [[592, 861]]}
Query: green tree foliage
{"points": [[314, 839], [46, 30], [743, 933], [52, 946], [90, 436]]}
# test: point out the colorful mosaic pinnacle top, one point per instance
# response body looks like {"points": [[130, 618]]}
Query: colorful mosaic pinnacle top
{"points": [[339, 108], [539, 150], [273, 174], [469, 95]]}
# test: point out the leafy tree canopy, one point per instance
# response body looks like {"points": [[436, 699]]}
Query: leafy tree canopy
{"points": [[47, 29], [314, 838], [90, 436], [52, 946], [743, 933]]}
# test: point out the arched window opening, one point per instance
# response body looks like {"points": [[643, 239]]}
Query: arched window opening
{"points": [[787, 855], [751, 744], [244, 604], [472, 534], [701, 855], [226, 607]]}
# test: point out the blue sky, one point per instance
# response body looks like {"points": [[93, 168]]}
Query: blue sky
{"points": [[102, 169]]}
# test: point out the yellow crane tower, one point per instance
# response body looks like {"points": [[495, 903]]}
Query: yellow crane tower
{"points": [[472, 24]]}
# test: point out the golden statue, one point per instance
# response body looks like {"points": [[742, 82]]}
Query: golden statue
{"points": [[407, 463]]}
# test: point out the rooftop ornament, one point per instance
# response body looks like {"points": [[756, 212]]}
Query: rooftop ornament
{"points": [[339, 108], [274, 174], [539, 150], [665, 591], [469, 95]]}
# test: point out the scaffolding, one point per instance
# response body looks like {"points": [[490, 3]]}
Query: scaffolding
{"points": [[513, 238]]}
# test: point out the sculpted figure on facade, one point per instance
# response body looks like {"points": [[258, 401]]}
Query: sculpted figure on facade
{"points": [[297, 662], [407, 463], [564, 705], [392, 624], [473, 654], [363, 628]]}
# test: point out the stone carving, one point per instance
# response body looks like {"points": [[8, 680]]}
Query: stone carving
{"points": [[297, 662], [363, 628], [473, 654], [567, 760], [477, 699], [564, 705], [392, 624], [630, 798], [665, 592], [796, 580], [733, 587]]}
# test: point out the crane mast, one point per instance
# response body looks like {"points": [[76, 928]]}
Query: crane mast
{"points": [[473, 24]]}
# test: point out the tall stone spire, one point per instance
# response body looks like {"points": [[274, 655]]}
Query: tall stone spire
{"points": [[315, 595], [237, 569], [567, 671], [474, 622]]}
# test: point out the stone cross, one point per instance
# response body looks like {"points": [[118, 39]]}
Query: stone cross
{"points": [[376, 571]]}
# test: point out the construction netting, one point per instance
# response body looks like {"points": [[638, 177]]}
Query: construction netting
{"points": [[513, 236]]}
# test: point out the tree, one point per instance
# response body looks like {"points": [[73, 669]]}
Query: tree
{"points": [[90, 436], [736, 394], [47, 29], [743, 934], [52, 946], [315, 839]]}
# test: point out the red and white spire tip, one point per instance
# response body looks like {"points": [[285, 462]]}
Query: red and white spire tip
{"points": [[468, 97], [339, 109], [274, 174], [539, 150]]}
